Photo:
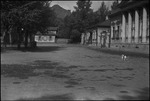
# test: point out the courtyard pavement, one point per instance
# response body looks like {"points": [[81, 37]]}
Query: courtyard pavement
{"points": [[73, 72]]}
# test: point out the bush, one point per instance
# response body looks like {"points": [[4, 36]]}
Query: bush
{"points": [[34, 44], [75, 36]]}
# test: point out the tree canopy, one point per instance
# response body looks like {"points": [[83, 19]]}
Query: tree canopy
{"points": [[31, 16], [82, 18], [114, 5]]}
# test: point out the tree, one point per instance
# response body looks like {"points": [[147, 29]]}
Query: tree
{"points": [[101, 13], [114, 5], [78, 21], [82, 12], [75, 36], [31, 16]]}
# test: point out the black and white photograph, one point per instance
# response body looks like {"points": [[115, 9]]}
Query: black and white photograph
{"points": [[74, 50]]}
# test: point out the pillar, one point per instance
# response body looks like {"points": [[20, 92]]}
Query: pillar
{"points": [[144, 25], [112, 31], [82, 38], [123, 28], [116, 33], [111, 36], [129, 27], [97, 37], [136, 26], [10, 38]]}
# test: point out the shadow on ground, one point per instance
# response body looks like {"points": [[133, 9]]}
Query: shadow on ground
{"points": [[120, 52], [50, 97], [142, 94], [36, 68], [20, 71], [37, 49]]}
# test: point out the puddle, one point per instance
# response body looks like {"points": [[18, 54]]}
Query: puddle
{"points": [[19, 71], [103, 70], [84, 70], [123, 91], [118, 85], [60, 97], [116, 69], [72, 82], [72, 67], [90, 88], [69, 86], [124, 69], [126, 77], [16, 82], [140, 94], [60, 76], [44, 64], [108, 77], [109, 99]]}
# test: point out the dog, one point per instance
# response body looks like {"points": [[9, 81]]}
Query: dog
{"points": [[124, 57]]}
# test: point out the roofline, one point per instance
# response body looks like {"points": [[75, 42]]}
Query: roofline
{"points": [[131, 6]]}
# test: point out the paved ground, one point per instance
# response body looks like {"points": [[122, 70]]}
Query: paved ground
{"points": [[72, 72]]}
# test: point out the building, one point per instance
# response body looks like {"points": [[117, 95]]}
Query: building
{"points": [[97, 35], [130, 24], [49, 35]]}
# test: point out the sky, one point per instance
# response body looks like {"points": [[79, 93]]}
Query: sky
{"points": [[69, 5]]}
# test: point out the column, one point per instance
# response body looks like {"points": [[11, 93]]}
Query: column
{"points": [[129, 27], [82, 38], [112, 31], [96, 37], [144, 25], [10, 38], [116, 33], [136, 26], [123, 28], [112, 34]]}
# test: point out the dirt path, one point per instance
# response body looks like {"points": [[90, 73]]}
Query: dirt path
{"points": [[72, 72]]}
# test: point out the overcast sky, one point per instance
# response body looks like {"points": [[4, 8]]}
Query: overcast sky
{"points": [[69, 5]]}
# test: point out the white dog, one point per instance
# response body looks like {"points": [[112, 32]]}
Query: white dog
{"points": [[124, 57]]}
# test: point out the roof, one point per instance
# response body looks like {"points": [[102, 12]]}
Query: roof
{"points": [[106, 23], [115, 11], [125, 5], [52, 28], [46, 35], [38, 33]]}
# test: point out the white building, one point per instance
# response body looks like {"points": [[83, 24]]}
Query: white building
{"points": [[130, 24], [49, 36], [97, 35]]}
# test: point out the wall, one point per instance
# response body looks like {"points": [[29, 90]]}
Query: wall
{"points": [[44, 38], [62, 41], [100, 30]]}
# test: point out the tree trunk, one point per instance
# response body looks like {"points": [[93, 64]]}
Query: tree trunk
{"points": [[19, 39], [19, 42], [26, 39], [5, 39], [30, 39]]}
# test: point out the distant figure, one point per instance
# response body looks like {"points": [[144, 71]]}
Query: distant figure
{"points": [[124, 57]]}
